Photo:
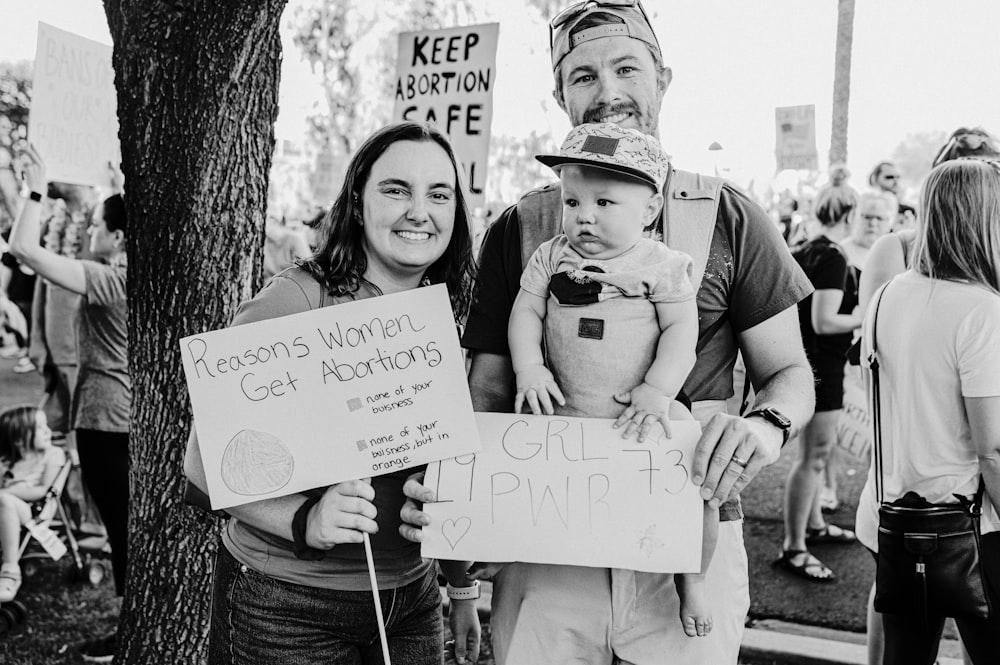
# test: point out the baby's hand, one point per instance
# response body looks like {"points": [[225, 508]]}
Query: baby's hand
{"points": [[646, 407], [536, 385]]}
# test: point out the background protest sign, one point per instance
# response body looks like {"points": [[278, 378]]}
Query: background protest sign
{"points": [[446, 77], [74, 108], [795, 132], [548, 489], [854, 427], [336, 393]]}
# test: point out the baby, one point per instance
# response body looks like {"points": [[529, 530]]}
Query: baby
{"points": [[616, 310]]}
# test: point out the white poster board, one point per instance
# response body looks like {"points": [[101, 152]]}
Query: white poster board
{"points": [[74, 108], [795, 132], [854, 427], [548, 489], [338, 393], [446, 77]]}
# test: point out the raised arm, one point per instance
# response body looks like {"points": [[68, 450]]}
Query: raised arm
{"points": [[26, 238]]}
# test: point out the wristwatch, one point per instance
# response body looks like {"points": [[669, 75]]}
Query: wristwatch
{"points": [[464, 592], [776, 418]]}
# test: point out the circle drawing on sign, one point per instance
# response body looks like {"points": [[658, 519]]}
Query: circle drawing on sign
{"points": [[256, 463]]}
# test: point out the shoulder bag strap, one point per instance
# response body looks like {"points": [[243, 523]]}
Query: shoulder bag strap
{"points": [[876, 401]]}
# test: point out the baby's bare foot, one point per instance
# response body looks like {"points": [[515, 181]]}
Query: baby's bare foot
{"points": [[696, 616]]}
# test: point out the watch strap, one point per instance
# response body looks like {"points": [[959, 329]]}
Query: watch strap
{"points": [[771, 416], [464, 592], [35, 196]]}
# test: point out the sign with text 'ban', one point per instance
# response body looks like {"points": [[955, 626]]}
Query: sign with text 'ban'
{"points": [[337, 393], [74, 108], [548, 489], [446, 77]]}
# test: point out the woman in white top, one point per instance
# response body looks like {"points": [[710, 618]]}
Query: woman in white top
{"points": [[940, 384]]}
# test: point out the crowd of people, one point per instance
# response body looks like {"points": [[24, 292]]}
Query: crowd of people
{"points": [[689, 269]]}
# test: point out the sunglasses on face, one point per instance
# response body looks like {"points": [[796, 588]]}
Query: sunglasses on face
{"points": [[574, 10], [890, 176]]}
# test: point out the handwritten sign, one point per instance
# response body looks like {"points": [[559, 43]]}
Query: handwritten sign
{"points": [[854, 427], [548, 489], [446, 77], [337, 393], [795, 132], [74, 107]]}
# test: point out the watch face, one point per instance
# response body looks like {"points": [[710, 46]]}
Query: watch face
{"points": [[777, 418]]}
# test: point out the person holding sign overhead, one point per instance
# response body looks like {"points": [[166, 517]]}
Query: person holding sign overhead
{"points": [[601, 274], [103, 394], [291, 580], [608, 66]]}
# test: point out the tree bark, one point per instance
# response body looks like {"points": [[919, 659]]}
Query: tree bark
{"points": [[842, 81], [197, 85]]}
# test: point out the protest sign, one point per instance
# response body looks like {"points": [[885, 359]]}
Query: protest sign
{"points": [[549, 489], [795, 132], [74, 108], [446, 77], [336, 393], [854, 427]]}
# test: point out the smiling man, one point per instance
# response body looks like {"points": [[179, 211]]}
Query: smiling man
{"points": [[608, 67]]}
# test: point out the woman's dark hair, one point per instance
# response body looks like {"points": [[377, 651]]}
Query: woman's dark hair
{"points": [[17, 433], [340, 262], [835, 204], [114, 213]]}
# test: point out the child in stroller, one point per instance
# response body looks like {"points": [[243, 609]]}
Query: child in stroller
{"points": [[28, 465]]}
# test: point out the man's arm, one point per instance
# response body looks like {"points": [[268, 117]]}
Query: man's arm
{"points": [[780, 372]]}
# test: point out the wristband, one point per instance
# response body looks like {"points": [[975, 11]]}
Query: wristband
{"points": [[464, 592], [35, 196], [299, 546]]}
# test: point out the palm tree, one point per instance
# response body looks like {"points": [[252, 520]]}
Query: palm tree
{"points": [[842, 81]]}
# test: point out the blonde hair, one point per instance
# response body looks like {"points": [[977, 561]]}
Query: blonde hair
{"points": [[958, 227]]}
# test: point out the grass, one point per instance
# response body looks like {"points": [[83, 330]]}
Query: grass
{"points": [[62, 615]]}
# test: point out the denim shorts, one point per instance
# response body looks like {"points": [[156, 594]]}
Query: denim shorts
{"points": [[260, 620]]}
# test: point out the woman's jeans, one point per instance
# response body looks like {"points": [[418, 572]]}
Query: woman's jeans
{"points": [[259, 620]]}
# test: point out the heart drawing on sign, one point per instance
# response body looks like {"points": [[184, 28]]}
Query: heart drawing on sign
{"points": [[454, 530]]}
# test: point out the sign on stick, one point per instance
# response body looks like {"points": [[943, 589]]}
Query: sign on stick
{"points": [[351, 391], [795, 132], [446, 77], [549, 489], [74, 107]]}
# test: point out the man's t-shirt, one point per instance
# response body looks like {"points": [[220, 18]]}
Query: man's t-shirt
{"points": [[750, 277]]}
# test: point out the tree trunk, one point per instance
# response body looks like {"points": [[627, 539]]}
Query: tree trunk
{"points": [[842, 81], [197, 89]]}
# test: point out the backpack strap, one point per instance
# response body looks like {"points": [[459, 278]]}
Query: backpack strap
{"points": [[692, 206]]}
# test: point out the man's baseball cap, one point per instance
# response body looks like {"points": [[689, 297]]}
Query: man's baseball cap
{"points": [[607, 146], [632, 22]]}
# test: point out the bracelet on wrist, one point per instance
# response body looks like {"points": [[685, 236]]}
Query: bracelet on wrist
{"points": [[299, 546], [464, 592]]}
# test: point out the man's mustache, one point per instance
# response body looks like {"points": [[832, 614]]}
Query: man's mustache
{"points": [[594, 114]]}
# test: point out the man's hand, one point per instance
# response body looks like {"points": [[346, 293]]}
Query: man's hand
{"points": [[537, 386], [730, 453], [343, 515]]}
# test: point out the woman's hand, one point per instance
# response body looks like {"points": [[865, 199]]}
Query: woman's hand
{"points": [[463, 619], [343, 515], [413, 517], [33, 169]]}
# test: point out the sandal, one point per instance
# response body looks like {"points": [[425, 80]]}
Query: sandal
{"points": [[831, 533], [10, 583], [804, 565]]}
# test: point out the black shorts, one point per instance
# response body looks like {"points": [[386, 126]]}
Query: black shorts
{"points": [[829, 388]]}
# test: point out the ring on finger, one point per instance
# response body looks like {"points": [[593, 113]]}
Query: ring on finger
{"points": [[740, 461]]}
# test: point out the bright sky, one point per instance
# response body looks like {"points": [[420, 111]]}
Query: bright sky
{"points": [[926, 65]]}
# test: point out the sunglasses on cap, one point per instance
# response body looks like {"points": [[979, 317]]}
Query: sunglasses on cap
{"points": [[576, 9]]}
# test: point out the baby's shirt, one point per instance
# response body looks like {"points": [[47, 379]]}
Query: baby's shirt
{"points": [[649, 270], [31, 470]]}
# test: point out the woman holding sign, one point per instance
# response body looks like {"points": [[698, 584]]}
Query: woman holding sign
{"points": [[291, 581], [103, 394]]}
